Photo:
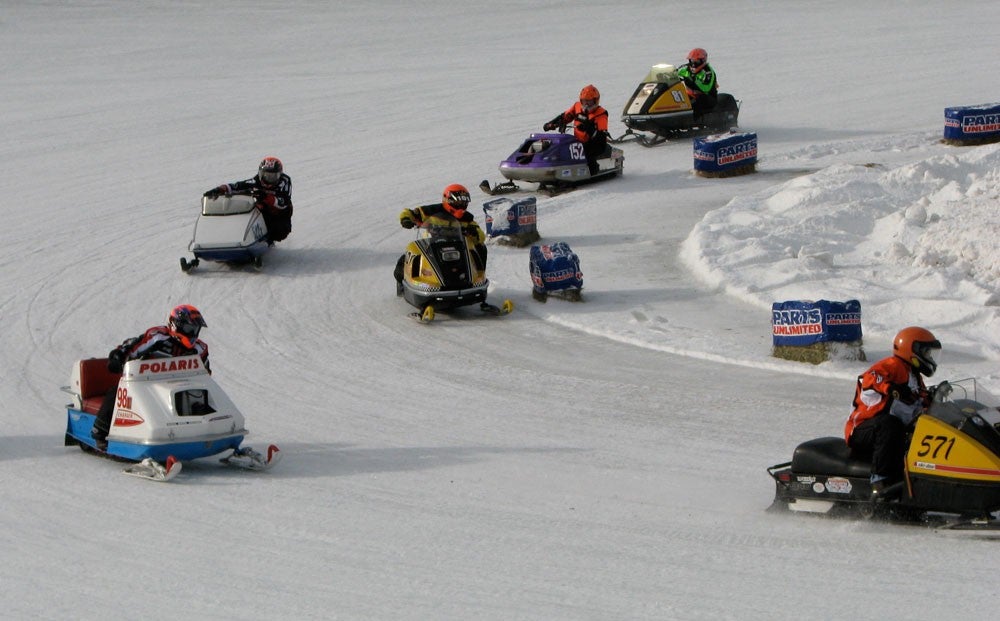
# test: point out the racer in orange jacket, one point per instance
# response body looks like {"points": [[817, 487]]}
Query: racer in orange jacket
{"points": [[887, 399], [590, 124]]}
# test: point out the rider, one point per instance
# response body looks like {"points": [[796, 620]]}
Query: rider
{"points": [[700, 80], [454, 205], [272, 189], [887, 398], [591, 124], [178, 338]]}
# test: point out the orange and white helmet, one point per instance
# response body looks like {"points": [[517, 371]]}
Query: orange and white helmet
{"points": [[590, 97], [918, 347], [456, 199], [697, 58], [184, 324]]}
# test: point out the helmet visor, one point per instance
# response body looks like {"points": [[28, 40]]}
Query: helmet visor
{"points": [[457, 203], [929, 356], [270, 177], [188, 329]]}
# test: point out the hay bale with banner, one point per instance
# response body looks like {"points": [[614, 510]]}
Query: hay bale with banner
{"points": [[814, 332], [725, 155], [972, 125], [555, 270], [512, 222]]}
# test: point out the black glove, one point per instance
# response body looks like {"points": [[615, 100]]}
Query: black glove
{"points": [[217, 191], [902, 392], [588, 127], [407, 222], [931, 391], [549, 126], [116, 361]]}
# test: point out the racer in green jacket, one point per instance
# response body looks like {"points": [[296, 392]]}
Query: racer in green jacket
{"points": [[700, 80]]}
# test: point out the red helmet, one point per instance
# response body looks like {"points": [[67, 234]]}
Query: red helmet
{"points": [[269, 171], [697, 58], [184, 324], [918, 347], [590, 96], [455, 199]]}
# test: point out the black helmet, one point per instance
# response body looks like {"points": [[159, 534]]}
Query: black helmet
{"points": [[270, 170]]}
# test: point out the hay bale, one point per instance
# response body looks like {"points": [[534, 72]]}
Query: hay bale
{"points": [[817, 353]]}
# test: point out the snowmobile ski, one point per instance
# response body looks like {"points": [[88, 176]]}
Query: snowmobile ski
{"points": [[504, 187], [152, 470], [249, 459], [505, 308]]}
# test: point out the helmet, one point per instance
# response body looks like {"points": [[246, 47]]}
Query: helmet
{"points": [[590, 96], [697, 58], [270, 170], [918, 347], [184, 324], [455, 199]]}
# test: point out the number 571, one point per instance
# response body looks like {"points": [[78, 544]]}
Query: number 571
{"points": [[927, 446]]}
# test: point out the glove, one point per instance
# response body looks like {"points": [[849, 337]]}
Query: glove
{"points": [[929, 393], [268, 200], [116, 361], [902, 392], [217, 192], [406, 219], [549, 126], [588, 127]]}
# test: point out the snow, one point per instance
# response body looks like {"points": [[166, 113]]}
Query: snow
{"points": [[600, 460]]}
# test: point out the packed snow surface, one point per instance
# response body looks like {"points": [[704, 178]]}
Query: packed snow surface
{"points": [[597, 460]]}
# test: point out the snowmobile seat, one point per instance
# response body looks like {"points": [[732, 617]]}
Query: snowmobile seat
{"points": [[95, 381], [830, 456]]}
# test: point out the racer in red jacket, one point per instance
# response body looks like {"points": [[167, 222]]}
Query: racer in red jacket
{"points": [[178, 338]]}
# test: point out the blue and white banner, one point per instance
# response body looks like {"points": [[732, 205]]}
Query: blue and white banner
{"points": [[555, 267], [724, 152], [978, 123], [509, 217], [806, 322]]}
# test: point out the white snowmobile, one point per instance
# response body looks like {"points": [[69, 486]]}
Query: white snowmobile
{"points": [[230, 229], [167, 410]]}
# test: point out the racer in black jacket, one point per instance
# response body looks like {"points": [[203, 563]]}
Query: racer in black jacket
{"points": [[273, 191]]}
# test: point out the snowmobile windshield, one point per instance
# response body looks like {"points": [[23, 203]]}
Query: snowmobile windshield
{"points": [[664, 73], [442, 230], [970, 397]]}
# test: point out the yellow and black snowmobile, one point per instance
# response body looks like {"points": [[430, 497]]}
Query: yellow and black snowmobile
{"points": [[443, 270], [951, 475], [660, 105]]}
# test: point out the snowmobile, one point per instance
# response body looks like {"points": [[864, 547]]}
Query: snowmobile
{"points": [[443, 271], [556, 163], [951, 477], [230, 229], [167, 410], [660, 105]]}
